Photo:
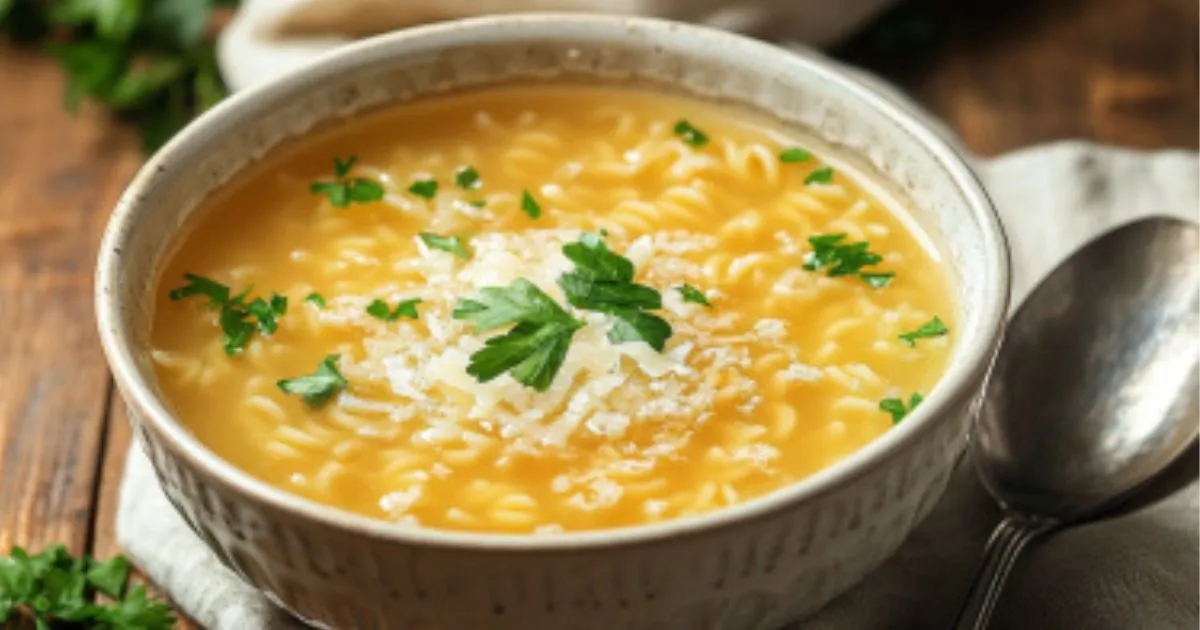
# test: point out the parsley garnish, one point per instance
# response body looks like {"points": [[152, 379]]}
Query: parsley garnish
{"points": [[319, 387], [530, 206], [450, 244], [532, 351], [55, 590], [822, 175], [691, 135], [316, 298], [692, 294], [603, 281], [406, 308], [346, 190], [468, 178], [478, 203], [896, 407], [237, 318], [794, 155], [933, 328], [426, 188], [847, 259]]}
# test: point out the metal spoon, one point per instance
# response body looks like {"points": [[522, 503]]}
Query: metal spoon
{"points": [[1093, 393]]}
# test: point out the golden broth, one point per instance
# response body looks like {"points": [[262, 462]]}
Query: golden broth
{"points": [[781, 376]]}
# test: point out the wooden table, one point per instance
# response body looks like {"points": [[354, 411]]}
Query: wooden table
{"points": [[1008, 73]]}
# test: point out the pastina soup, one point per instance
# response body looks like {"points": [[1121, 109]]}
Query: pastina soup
{"points": [[548, 308]]}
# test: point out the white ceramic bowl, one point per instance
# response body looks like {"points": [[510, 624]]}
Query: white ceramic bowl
{"points": [[753, 566]]}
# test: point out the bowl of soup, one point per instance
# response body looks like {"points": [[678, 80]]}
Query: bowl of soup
{"points": [[552, 321]]}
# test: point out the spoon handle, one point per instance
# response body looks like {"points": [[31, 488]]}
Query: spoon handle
{"points": [[1001, 553]]}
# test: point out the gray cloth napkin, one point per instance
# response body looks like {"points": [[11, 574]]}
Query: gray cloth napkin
{"points": [[1134, 571]]}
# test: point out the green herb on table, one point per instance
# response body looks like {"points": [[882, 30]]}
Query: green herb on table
{"points": [[693, 295], [316, 298], [837, 258], [933, 328], [425, 188], [823, 175], [534, 349], [237, 318], [530, 206], [602, 281], [450, 244], [897, 408], [345, 190], [690, 135], [53, 589], [794, 155], [468, 178], [317, 388], [405, 308]]}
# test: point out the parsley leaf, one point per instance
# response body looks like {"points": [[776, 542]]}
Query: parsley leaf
{"points": [[602, 281], [468, 178], [316, 298], [53, 589], [933, 328], [794, 155], [845, 259], [319, 387], [451, 244], [345, 190], [478, 203], [897, 408], [690, 135], [406, 308], [426, 188], [237, 319], [692, 294], [532, 351], [822, 175], [530, 206]]}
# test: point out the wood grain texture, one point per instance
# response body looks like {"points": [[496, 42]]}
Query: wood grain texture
{"points": [[58, 177]]}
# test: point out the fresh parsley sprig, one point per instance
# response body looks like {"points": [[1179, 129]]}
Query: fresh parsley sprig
{"points": [[602, 281], [345, 190], [933, 328], [53, 589], [897, 408], [317, 388], [237, 318], [838, 258], [534, 349]]}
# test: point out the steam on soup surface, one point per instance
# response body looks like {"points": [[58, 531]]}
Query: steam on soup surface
{"points": [[538, 309]]}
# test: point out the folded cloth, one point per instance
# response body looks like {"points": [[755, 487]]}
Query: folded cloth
{"points": [[1137, 570]]}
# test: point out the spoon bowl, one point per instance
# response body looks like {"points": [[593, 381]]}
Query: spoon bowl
{"points": [[1093, 392]]}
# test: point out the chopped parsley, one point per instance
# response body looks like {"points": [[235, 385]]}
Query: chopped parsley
{"points": [[345, 190], [692, 294], [53, 589], [468, 178], [530, 206], [317, 388], [794, 155], [315, 298], [823, 175], [478, 203], [425, 188], [933, 328], [237, 318], [406, 308], [897, 408], [450, 244], [602, 281], [690, 135], [534, 349], [845, 259]]}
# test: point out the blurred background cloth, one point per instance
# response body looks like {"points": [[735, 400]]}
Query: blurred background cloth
{"points": [[270, 37]]}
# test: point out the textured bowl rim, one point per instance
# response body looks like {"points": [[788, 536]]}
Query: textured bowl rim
{"points": [[973, 366]]}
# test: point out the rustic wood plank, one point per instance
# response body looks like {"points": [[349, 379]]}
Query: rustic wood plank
{"points": [[58, 177]]}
